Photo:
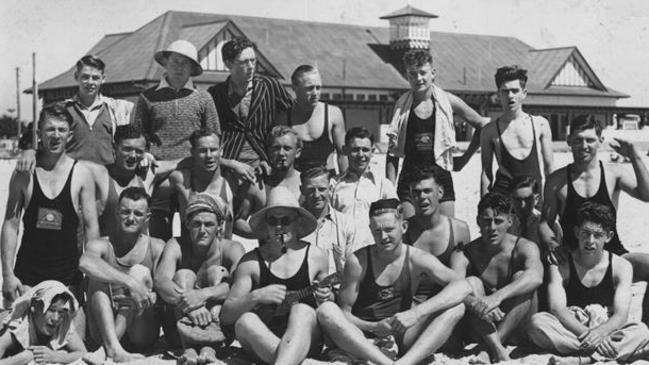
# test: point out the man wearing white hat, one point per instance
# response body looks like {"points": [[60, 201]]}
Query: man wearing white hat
{"points": [[168, 114], [270, 274]]}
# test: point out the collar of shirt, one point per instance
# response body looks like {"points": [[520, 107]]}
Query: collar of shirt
{"points": [[350, 176], [189, 85], [99, 101], [329, 216]]}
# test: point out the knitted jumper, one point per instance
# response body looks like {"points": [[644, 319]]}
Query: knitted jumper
{"points": [[168, 117]]}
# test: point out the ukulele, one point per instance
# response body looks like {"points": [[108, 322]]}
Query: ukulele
{"points": [[267, 311]]}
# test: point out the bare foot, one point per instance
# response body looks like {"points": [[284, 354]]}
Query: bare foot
{"points": [[568, 360], [481, 357], [124, 356], [500, 354], [190, 357], [207, 355], [95, 358]]}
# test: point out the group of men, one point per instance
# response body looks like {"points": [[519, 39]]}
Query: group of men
{"points": [[371, 271]]}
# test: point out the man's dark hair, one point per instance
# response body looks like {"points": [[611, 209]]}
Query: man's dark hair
{"points": [[496, 201], [511, 73], [128, 131], [313, 172], [419, 174], [417, 58], [57, 111], [234, 47], [391, 205], [200, 133], [358, 132], [282, 130], [598, 214], [524, 182], [92, 61], [135, 193], [301, 70], [585, 121]]}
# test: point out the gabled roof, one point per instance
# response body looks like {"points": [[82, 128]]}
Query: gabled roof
{"points": [[199, 34], [409, 10], [347, 55], [467, 62], [544, 64]]}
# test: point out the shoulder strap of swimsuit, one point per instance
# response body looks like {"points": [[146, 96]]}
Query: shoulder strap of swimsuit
{"points": [[602, 180], [68, 181], [533, 130], [451, 238], [369, 269], [326, 121]]}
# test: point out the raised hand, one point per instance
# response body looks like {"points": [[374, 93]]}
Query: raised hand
{"points": [[623, 147]]}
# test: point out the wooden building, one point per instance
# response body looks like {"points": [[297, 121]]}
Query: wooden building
{"points": [[360, 66]]}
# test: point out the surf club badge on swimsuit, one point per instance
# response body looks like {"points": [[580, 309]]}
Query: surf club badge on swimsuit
{"points": [[50, 219], [424, 141]]}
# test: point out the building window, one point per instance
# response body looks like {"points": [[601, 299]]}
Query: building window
{"points": [[349, 96], [324, 96], [383, 97], [371, 97], [360, 97], [337, 96]]}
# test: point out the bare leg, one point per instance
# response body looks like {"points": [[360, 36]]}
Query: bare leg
{"points": [[518, 312], [186, 280], [486, 329], [142, 328], [347, 336], [423, 340], [255, 337], [102, 321], [301, 336], [640, 262], [210, 275]]}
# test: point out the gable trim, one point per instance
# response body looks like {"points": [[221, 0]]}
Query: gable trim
{"points": [[579, 63]]}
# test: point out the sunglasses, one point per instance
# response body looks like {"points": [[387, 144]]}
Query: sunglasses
{"points": [[282, 221]]}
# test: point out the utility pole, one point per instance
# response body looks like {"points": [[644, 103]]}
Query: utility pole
{"points": [[18, 101], [34, 102]]}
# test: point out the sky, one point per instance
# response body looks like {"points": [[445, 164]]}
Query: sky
{"points": [[613, 35]]}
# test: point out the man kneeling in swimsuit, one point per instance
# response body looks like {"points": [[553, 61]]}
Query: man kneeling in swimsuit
{"points": [[120, 286], [190, 278], [376, 296], [504, 271]]}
